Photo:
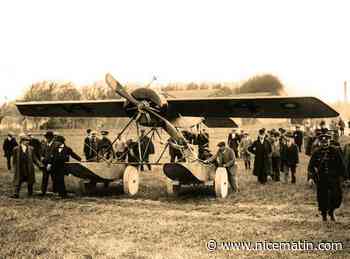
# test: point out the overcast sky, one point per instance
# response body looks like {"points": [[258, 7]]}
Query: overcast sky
{"points": [[305, 43]]}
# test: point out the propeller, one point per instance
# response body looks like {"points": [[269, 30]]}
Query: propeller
{"points": [[116, 86], [144, 107]]}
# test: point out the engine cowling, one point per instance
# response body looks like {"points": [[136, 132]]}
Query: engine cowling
{"points": [[151, 98]]}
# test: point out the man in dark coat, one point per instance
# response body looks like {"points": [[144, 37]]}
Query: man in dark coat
{"points": [[289, 157], [233, 142], [62, 153], [89, 145], [298, 137], [48, 151], [24, 159], [9, 144], [147, 149], [105, 147], [327, 169], [261, 148]]}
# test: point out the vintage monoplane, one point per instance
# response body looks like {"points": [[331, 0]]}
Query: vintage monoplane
{"points": [[148, 108]]}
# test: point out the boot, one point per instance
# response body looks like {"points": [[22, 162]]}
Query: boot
{"points": [[324, 216]]}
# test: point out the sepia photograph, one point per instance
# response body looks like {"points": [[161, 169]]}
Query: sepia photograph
{"points": [[174, 129]]}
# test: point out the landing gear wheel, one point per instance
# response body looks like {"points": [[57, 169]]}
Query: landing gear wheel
{"points": [[131, 181], [172, 188], [221, 183]]}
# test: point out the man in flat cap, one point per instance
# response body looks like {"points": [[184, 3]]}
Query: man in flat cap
{"points": [[8, 146], [261, 148], [225, 157], [24, 159], [327, 168], [48, 150]]}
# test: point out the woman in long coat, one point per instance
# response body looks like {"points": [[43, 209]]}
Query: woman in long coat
{"points": [[24, 159]]}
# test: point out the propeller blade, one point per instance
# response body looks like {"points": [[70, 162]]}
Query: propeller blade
{"points": [[116, 86]]}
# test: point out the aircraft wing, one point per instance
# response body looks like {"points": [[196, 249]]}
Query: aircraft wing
{"points": [[101, 108], [251, 107]]}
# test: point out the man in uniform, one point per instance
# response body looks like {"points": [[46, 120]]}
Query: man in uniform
{"points": [[261, 148], [327, 168], [225, 157], [47, 159], [62, 153], [24, 159], [9, 144], [105, 147]]}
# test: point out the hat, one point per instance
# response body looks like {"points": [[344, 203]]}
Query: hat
{"points": [[221, 144], [104, 132], [60, 138], [262, 131], [23, 136], [49, 134]]}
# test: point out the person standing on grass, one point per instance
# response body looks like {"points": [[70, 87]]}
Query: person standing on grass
{"points": [[276, 156], [261, 148], [62, 154], [327, 169], [9, 144], [88, 146], [298, 138], [24, 159], [233, 141], [290, 158], [246, 142], [48, 158]]}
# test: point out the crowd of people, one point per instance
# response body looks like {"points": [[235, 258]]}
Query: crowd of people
{"points": [[276, 156], [275, 153]]}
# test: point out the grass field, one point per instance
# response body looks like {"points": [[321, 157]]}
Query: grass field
{"points": [[152, 225]]}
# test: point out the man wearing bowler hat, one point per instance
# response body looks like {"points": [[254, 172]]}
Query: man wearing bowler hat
{"points": [[24, 159]]}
